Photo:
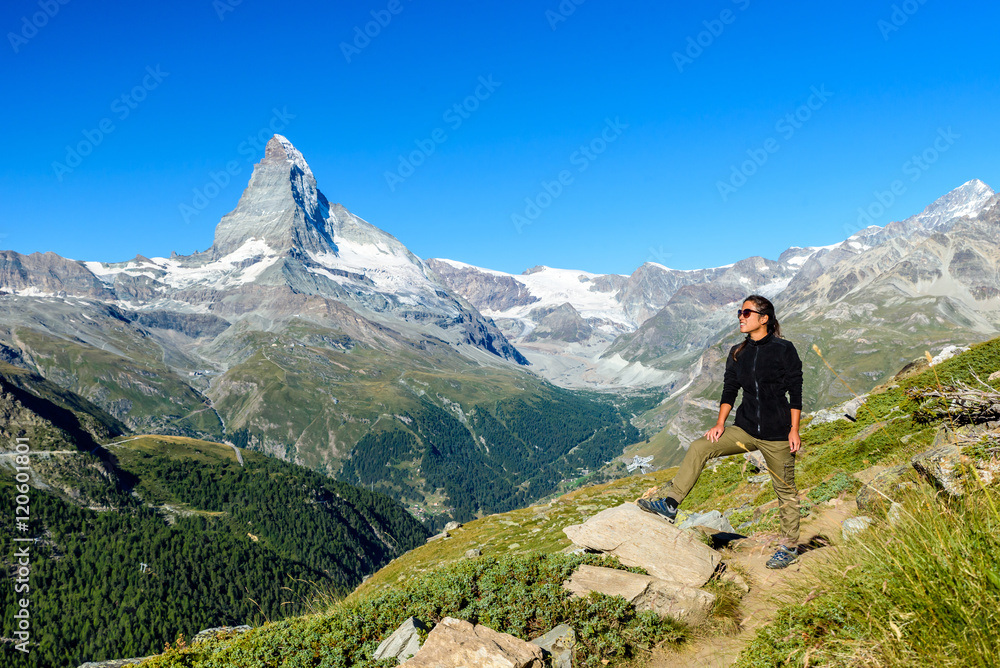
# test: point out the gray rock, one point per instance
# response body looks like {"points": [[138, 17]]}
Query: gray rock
{"points": [[645, 592], [895, 513], [114, 663], [215, 631], [713, 519], [845, 411], [648, 541], [484, 290], [458, 644], [945, 467], [875, 497], [451, 526], [759, 479], [854, 526], [729, 575], [473, 553], [756, 459], [562, 323], [403, 643], [559, 643], [49, 272]]}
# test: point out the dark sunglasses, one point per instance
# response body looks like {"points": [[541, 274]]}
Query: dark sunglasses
{"points": [[745, 312]]}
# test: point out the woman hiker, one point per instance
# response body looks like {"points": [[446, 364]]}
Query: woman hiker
{"points": [[766, 367]]}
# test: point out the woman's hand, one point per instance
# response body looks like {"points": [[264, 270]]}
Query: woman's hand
{"points": [[715, 432], [794, 442]]}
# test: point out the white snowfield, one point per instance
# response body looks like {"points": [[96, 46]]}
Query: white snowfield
{"points": [[391, 271], [555, 287], [180, 275]]}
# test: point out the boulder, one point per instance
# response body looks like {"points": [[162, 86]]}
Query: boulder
{"points": [[895, 514], [756, 459], [458, 644], [875, 497], [945, 467], [404, 642], [854, 526], [219, 631], [845, 411], [114, 663], [451, 526], [648, 541], [713, 519], [729, 575], [988, 469], [645, 592], [559, 644], [474, 552]]}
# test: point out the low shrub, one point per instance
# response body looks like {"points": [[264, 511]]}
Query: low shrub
{"points": [[517, 594], [835, 486]]}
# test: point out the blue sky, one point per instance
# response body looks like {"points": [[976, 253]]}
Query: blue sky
{"points": [[592, 136]]}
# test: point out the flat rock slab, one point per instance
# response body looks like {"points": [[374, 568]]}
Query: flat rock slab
{"points": [[404, 642], [648, 541], [458, 644], [713, 519], [645, 592], [559, 643], [220, 632]]}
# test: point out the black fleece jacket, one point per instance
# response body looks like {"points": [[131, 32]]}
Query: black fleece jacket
{"points": [[766, 371]]}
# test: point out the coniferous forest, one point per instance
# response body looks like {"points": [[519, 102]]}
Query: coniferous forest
{"points": [[504, 456], [183, 538]]}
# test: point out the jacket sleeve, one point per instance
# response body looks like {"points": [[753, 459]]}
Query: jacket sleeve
{"points": [[730, 386], [793, 378]]}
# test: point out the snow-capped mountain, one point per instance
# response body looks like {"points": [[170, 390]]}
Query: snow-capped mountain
{"points": [[284, 235], [564, 320], [585, 329], [572, 324]]}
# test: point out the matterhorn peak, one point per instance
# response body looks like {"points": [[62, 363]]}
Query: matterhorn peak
{"points": [[281, 206], [279, 148]]}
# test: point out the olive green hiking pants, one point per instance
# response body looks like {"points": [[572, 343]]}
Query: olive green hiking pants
{"points": [[780, 464]]}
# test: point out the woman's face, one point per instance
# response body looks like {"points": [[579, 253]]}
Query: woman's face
{"points": [[753, 323]]}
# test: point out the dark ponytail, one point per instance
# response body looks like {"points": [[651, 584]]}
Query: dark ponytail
{"points": [[765, 307]]}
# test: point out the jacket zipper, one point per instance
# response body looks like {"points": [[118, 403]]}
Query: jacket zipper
{"points": [[756, 386]]}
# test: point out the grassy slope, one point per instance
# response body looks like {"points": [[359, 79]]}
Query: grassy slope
{"points": [[139, 390]]}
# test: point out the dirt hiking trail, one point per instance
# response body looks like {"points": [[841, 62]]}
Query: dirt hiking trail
{"points": [[758, 607]]}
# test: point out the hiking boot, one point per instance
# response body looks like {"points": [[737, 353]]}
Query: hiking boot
{"points": [[783, 558], [666, 508]]}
